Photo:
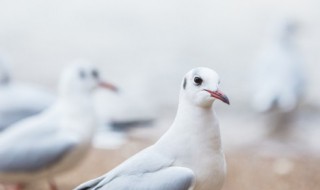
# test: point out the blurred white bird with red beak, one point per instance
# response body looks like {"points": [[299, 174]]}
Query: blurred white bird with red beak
{"points": [[57, 139]]}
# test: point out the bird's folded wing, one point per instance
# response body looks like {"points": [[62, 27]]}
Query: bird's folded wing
{"points": [[8, 117], [33, 155], [173, 178], [90, 184], [33, 146], [20, 101]]}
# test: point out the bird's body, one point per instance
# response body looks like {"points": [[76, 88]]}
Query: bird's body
{"points": [[188, 156], [20, 100]]}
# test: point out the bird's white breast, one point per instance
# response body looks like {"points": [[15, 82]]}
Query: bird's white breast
{"points": [[206, 162], [197, 147]]}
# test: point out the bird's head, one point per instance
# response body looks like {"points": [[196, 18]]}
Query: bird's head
{"points": [[285, 30], [4, 72], [200, 86], [82, 77]]}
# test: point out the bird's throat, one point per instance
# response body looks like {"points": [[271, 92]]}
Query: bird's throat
{"points": [[198, 124]]}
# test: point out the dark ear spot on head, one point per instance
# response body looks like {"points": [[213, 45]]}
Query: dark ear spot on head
{"points": [[184, 83], [95, 74], [5, 79], [82, 74]]}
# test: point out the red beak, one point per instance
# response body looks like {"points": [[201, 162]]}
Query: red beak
{"points": [[219, 95], [108, 86]]}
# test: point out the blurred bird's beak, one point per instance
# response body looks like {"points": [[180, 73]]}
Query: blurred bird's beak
{"points": [[109, 86], [219, 95]]}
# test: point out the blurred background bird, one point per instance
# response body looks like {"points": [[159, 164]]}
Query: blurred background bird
{"points": [[56, 140], [278, 77], [19, 100]]}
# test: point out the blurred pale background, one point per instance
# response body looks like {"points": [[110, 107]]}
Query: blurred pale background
{"points": [[152, 43], [146, 47]]}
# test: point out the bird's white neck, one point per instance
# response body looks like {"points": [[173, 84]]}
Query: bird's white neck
{"points": [[78, 115], [200, 121], [78, 104], [74, 94], [195, 125]]}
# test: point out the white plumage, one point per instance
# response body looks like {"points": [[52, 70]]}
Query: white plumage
{"points": [[278, 77], [188, 156], [20, 100], [41, 146]]}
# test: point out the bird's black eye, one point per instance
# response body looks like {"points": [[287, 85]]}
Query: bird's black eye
{"points": [[95, 74], [198, 81], [82, 74]]}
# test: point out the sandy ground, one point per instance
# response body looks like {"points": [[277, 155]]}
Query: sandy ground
{"points": [[264, 162], [247, 170]]}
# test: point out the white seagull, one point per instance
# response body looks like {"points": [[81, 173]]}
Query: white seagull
{"points": [[19, 100], [56, 140], [188, 156], [279, 81]]}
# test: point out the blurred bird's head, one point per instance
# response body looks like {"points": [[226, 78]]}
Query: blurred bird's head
{"points": [[200, 86], [4, 72], [80, 78], [285, 29]]}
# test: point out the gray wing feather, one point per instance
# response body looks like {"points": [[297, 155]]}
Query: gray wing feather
{"points": [[147, 170], [33, 144], [90, 184], [34, 155], [173, 178], [19, 101], [7, 119]]}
